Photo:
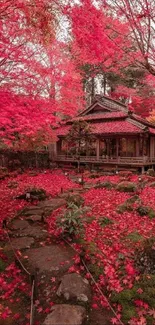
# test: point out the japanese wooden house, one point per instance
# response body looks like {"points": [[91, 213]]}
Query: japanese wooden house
{"points": [[123, 139]]}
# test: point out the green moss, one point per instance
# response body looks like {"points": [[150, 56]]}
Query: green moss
{"points": [[95, 270], [104, 221], [92, 247], [143, 210], [107, 185], [126, 298], [134, 236], [126, 187], [146, 211], [124, 207], [128, 312], [151, 213], [149, 320], [133, 199], [2, 266]]}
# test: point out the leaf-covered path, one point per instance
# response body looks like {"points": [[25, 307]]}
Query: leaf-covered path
{"points": [[118, 226]]}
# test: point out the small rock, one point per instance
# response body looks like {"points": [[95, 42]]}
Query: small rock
{"points": [[66, 315], [73, 286]]}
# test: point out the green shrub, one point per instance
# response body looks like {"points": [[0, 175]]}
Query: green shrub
{"points": [[70, 222], [107, 185], [146, 211], [134, 236], [145, 256], [2, 265], [128, 204], [133, 199], [151, 172], [124, 207], [126, 187], [143, 210], [95, 270], [104, 221]]}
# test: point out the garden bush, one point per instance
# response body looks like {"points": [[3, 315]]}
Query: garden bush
{"points": [[145, 256], [107, 185], [126, 187], [151, 172], [146, 211], [105, 221], [70, 222]]}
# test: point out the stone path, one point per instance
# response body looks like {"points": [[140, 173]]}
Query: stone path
{"points": [[29, 235], [72, 293]]}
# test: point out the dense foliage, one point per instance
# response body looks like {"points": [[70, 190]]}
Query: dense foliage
{"points": [[53, 56]]}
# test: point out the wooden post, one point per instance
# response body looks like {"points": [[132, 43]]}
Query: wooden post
{"points": [[117, 147], [108, 148], [137, 147], [151, 147], [98, 149], [52, 151]]}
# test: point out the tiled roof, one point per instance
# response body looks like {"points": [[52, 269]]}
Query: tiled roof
{"points": [[112, 127], [115, 128], [63, 130], [101, 116], [142, 120]]}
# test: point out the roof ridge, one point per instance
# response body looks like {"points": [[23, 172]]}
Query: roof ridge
{"points": [[98, 99], [111, 99], [136, 123], [143, 119]]}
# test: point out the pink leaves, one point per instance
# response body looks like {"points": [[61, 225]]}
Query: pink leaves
{"points": [[130, 270], [5, 313]]}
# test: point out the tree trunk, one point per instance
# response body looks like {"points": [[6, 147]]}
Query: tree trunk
{"points": [[92, 89]]}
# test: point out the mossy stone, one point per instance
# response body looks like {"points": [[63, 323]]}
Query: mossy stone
{"points": [[107, 185], [126, 187]]}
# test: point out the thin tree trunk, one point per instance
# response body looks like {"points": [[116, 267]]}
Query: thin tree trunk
{"points": [[92, 89]]}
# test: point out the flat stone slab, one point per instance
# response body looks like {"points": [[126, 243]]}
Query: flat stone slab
{"points": [[32, 210], [55, 259], [21, 243], [66, 315], [46, 207], [34, 218], [52, 204], [19, 224], [33, 231], [73, 286]]}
